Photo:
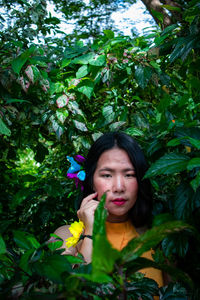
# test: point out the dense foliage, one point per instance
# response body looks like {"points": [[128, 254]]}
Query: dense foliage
{"points": [[56, 99]]}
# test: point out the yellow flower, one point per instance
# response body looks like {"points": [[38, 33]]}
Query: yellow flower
{"points": [[76, 229]]}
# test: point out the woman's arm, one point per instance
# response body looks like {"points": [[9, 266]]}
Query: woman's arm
{"points": [[86, 215], [64, 233]]}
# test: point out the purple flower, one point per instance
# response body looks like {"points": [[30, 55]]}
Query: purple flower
{"points": [[75, 172], [79, 158]]}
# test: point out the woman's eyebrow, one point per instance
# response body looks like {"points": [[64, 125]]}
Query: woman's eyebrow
{"points": [[111, 170]]}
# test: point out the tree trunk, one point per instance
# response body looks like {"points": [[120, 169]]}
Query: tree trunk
{"points": [[168, 19]]}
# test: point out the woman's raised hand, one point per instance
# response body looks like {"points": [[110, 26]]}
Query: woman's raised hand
{"points": [[86, 212]]}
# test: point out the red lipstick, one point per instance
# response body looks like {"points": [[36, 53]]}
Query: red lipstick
{"points": [[119, 201]]}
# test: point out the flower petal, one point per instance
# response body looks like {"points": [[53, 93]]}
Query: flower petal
{"points": [[81, 175], [79, 158]]}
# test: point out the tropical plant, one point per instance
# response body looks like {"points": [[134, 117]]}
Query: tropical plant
{"points": [[56, 99]]}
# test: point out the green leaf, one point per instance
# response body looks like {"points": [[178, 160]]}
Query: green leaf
{"points": [[109, 34], [141, 262], [193, 163], [195, 183], [35, 244], [162, 218], [116, 126], [52, 267], [134, 131], [158, 15], [32, 73], [2, 245], [74, 259], [83, 59], [103, 255], [18, 62], [82, 71], [171, 163], [4, 129], [62, 115], [169, 29], [65, 62], [21, 239], [80, 126], [195, 143], [74, 108], [172, 8], [182, 201], [86, 87], [143, 75], [98, 60], [176, 244], [108, 113], [24, 261], [152, 238], [16, 101], [96, 135], [175, 142], [54, 245], [59, 130]]}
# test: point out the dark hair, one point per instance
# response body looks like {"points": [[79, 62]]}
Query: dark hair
{"points": [[141, 211]]}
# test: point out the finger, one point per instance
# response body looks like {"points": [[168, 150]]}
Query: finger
{"points": [[88, 206], [89, 198]]}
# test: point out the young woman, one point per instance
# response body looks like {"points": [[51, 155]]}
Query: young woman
{"points": [[116, 165]]}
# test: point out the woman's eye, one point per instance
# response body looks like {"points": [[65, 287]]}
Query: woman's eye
{"points": [[106, 175], [131, 175]]}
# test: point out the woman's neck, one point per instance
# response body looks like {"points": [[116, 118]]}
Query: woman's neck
{"points": [[117, 219]]}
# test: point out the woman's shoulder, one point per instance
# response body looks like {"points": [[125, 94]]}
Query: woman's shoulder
{"points": [[141, 230]]}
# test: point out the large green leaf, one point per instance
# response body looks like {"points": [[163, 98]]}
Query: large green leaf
{"points": [[62, 115], [21, 239], [83, 59], [168, 164], [82, 71], [86, 87], [25, 240], [103, 256], [152, 238], [182, 202], [108, 114], [193, 163], [143, 75], [98, 60], [141, 263], [4, 129], [74, 108], [53, 267], [80, 125], [18, 62], [24, 261]]}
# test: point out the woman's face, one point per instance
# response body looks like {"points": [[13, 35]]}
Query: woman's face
{"points": [[115, 175]]}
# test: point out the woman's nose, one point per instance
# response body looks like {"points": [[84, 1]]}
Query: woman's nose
{"points": [[118, 184]]}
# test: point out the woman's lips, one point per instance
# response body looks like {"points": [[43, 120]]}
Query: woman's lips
{"points": [[119, 201]]}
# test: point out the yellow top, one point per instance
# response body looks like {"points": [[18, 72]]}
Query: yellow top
{"points": [[119, 234]]}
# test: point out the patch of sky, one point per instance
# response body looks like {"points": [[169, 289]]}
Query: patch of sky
{"points": [[129, 19]]}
